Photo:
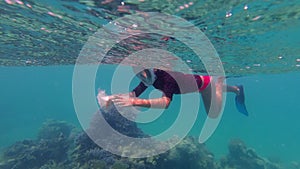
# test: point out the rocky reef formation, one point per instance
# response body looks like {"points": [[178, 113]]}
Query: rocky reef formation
{"points": [[59, 146], [51, 146], [240, 156]]}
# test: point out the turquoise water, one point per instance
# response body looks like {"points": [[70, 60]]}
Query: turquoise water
{"points": [[257, 41], [31, 95]]}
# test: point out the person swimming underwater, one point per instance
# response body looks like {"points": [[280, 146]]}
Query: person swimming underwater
{"points": [[165, 82]]}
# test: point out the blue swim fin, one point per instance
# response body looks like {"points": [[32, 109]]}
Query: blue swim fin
{"points": [[240, 101]]}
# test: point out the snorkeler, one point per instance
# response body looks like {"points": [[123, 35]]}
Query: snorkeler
{"points": [[165, 82]]}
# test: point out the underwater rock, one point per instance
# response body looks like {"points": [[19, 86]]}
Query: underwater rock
{"points": [[117, 122], [241, 157], [188, 154], [33, 154], [101, 132], [83, 143], [86, 150], [55, 148], [100, 154], [94, 164], [30, 154], [54, 129], [53, 165]]}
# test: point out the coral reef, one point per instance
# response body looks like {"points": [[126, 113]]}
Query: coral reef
{"points": [[117, 122], [54, 129], [51, 146], [240, 157], [55, 148], [187, 154]]}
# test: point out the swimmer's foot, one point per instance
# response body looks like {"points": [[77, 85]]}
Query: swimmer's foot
{"points": [[240, 101]]}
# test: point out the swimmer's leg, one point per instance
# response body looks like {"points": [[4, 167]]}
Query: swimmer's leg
{"points": [[239, 98], [240, 101], [213, 93]]}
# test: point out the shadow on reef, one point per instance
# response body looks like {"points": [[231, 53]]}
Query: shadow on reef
{"points": [[60, 146]]}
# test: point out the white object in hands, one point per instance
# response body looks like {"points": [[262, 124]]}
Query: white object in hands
{"points": [[104, 101]]}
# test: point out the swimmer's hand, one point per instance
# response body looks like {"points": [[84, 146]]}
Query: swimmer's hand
{"points": [[105, 101], [123, 101]]}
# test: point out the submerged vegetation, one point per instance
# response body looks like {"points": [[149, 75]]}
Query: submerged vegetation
{"points": [[60, 146]]}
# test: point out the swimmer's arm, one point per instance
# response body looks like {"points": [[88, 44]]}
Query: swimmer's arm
{"points": [[161, 103], [137, 91]]}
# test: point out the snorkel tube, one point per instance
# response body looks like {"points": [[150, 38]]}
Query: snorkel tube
{"points": [[147, 76]]}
